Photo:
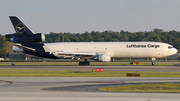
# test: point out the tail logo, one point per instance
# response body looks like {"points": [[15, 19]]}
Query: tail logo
{"points": [[20, 28]]}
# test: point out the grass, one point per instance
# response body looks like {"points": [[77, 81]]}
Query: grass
{"points": [[166, 87], [58, 73], [76, 63]]}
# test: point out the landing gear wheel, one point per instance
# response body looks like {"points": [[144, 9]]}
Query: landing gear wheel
{"points": [[88, 63], [84, 63], [153, 63], [81, 63]]}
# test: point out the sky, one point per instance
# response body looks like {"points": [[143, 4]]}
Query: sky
{"points": [[79, 16]]}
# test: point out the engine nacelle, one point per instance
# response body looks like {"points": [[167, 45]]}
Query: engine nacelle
{"points": [[28, 38], [103, 58]]}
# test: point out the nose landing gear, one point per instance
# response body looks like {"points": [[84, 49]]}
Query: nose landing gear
{"points": [[153, 63]]}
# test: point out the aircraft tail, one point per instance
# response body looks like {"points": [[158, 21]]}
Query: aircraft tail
{"points": [[23, 33], [19, 26]]}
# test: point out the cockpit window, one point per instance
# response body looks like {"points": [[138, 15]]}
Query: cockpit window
{"points": [[170, 47]]}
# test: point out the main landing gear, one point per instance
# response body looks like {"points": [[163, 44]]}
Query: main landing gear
{"points": [[85, 62]]}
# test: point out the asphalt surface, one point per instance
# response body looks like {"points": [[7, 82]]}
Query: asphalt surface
{"points": [[78, 89], [95, 87], [82, 88]]}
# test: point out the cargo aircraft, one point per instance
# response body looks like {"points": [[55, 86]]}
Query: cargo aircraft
{"points": [[32, 43]]}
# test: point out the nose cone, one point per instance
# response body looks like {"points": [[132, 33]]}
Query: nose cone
{"points": [[176, 50]]}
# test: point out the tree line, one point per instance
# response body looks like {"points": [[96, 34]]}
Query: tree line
{"points": [[157, 35]]}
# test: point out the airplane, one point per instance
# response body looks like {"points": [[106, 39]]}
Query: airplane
{"points": [[32, 43]]}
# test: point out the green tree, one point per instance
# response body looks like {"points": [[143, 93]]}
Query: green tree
{"points": [[5, 47], [171, 37]]}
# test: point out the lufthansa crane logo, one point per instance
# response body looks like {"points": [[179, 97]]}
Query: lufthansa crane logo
{"points": [[20, 28]]}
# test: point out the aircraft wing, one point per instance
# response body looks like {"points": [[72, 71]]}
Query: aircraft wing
{"points": [[64, 54], [75, 52]]}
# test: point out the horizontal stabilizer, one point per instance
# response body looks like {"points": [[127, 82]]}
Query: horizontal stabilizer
{"points": [[24, 47]]}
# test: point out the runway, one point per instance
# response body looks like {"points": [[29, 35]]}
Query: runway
{"points": [[78, 89], [82, 88], [175, 68]]}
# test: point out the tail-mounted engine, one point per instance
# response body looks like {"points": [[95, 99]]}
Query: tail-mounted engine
{"points": [[17, 38]]}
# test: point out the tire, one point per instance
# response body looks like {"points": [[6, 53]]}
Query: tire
{"points": [[84, 63], [81, 63], [87, 63], [153, 63]]}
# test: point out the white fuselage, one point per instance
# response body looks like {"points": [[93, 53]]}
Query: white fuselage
{"points": [[117, 49]]}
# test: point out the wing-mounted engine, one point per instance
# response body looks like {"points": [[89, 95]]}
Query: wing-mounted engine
{"points": [[18, 38], [103, 58]]}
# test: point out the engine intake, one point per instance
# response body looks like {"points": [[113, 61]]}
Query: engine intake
{"points": [[27, 38]]}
